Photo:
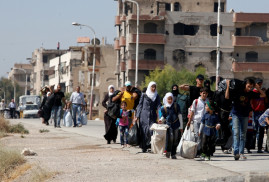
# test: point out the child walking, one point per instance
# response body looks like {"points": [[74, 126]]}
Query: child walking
{"points": [[67, 118], [209, 124], [124, 124], [172, 117], [197, 112]]}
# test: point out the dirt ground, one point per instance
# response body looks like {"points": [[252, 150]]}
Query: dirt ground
{"points": [[75, 157]]}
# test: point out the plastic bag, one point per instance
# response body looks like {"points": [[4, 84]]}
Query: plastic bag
{"points": [[158, 138], [68, 119], [84, 119], [133, 136], [188, 135], [189, 149]]}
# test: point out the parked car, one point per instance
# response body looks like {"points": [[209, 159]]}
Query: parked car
{"points": [[30, 111]]}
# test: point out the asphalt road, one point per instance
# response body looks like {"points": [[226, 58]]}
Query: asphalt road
{"points": [[255, 167]]}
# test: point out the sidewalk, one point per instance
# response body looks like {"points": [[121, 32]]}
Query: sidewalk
{"points": [[142, 166]]}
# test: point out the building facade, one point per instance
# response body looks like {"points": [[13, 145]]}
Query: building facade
{"points": [[176, 32]]}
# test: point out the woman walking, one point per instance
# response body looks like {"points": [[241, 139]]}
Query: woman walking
{"points": [[147, 114], [110, 123]]}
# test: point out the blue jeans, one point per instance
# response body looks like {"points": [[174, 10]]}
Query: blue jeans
{"points": [[57, 115], [240, 125], [124, 130], [259, 129], [76, 109]]}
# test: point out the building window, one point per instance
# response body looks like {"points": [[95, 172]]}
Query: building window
{"points": [[94, 80], [45, 59], [213, 56], [177, 7], [251, 56], [150, 28], [167, 6], [182, 29], [238, 32], [179, 56], [150, 54], [214, 29], [216, 7], [46, 77]]}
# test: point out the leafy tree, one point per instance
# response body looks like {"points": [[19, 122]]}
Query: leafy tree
{"points": [[7, 87], [169, 76]]}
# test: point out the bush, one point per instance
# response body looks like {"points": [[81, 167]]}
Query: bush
{"points": [[4, 125], [9, 159], [18, 128]]}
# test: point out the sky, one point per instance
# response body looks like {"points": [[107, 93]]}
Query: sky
{"points": [[27, 25]]}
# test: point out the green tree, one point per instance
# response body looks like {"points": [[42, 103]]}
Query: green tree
{"points": [[7, 87], [168, 76]]}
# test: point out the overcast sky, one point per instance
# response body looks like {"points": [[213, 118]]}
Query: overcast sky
{"points": [[27, 25]]}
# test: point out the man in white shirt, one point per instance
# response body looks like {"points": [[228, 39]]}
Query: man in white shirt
{"points": [[2, 106], [77, 100], [12, 107]]}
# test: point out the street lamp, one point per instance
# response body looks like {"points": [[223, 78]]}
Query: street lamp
{"points": [[137, 41], [93, 67], [25, 78], [218, 48]]}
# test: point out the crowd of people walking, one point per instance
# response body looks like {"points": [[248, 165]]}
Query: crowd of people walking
{"points": [[223, 117]]}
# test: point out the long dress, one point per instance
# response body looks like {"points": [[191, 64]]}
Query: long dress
{"points": [[110, 124], [47, 107], [147, 114]]}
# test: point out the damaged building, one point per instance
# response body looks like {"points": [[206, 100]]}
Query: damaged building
{"points": [[176, 32]]}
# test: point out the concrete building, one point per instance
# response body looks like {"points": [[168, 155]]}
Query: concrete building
{"points": [[251, 46], [176, 32], [40, 62], [18, 74], [76, 70]]}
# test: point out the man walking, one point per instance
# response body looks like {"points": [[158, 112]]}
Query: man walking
{"points": [[2, 107], [57, 107], [12, 107], [77, 100]]}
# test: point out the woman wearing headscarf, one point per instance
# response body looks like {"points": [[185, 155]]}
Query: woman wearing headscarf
{"points": [[147, 114], [175, 92], [110, 123]]}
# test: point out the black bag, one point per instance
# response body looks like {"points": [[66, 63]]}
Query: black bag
{"points": [[113, 108], [40, 113], [133, 136]]}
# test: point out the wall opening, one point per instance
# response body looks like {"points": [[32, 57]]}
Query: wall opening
{"points": [[179, 56], [167, 7], [214, 29], [182, 29], [216, 7], [213, 56], [252, 56], [150, 54], [177, 7], [150, 28], [238, 32]]}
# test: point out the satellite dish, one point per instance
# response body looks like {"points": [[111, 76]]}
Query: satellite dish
{"points": [[97, 41]]}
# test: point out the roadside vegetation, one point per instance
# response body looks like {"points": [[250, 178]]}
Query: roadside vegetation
{"points": [[6, 127], [43, 131], [40, 174]]}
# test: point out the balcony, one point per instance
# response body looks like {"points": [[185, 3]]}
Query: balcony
{"points": [[116, 45], [123, 18], [148, 38], [122, 41], [117, 21], [145, 64], [122, 66], [250, 67], [248, 41], [251, 17], [146, 17]]}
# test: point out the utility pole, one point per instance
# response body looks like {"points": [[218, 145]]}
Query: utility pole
{"points": [[218, 48]]}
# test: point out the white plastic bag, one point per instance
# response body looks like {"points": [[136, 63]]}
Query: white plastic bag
{"points": [[84, 119], [68, 119], [158, 138], [188, 135]]}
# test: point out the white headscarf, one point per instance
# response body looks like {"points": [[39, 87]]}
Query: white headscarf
{"points": [[149, 93], [48, 93], [110, 86], [165, 103]]}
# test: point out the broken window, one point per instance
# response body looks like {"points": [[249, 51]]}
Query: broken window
{"points": [[167, 6], [177, 7], [179, 56], [150, 54], [213, 56], [182, 29], [214, 29], [251, 56], [150, 28], [216, 7]]}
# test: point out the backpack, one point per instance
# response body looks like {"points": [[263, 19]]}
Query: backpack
{"points": [[189, 110], [175, 107], [113, 108]]}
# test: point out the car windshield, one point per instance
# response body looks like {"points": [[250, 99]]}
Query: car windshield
{"points": [[31, 107]]}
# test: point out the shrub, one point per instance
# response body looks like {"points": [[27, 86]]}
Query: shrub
{"points": [[18, 128]]}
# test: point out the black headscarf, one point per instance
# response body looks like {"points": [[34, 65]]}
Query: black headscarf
{"points": [[175, 92]]}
